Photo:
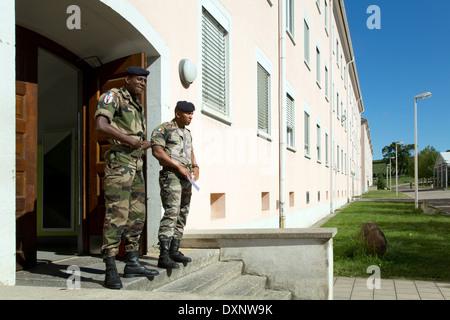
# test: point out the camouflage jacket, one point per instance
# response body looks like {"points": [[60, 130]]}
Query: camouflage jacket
{"points": [[123, 114], [177, 142]]}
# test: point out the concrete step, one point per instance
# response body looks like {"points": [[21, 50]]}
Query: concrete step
{"points": [[200, 259], [250, 286], [224, 279], [269, 294], [243, 285], [205, 280]]}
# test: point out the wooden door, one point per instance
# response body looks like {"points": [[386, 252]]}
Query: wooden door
{"points": [[108, 76], [26, 174]]}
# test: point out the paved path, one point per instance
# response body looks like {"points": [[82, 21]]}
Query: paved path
{"points": [[438, 198], [357, 289]]}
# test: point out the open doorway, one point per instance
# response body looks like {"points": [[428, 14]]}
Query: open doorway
{"points": [[58, 170]]}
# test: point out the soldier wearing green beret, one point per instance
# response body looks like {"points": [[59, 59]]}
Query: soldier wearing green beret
{"points": [[172, 146], [120, 117]]}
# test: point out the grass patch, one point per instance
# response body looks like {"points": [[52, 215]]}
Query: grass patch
{"points": [[419, 243], [384, 194]]}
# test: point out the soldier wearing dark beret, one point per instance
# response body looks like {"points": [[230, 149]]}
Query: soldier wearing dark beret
{"points": [[172, 147], [120, 117]]}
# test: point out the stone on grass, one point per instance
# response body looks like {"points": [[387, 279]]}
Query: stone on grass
{"points": [[374, 238]]}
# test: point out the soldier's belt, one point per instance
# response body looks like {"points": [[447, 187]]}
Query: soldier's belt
{"points": [[121, 148], [173, 170]]}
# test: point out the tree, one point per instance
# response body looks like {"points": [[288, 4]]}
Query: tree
{"points": [[404, 153], [426, 160]]}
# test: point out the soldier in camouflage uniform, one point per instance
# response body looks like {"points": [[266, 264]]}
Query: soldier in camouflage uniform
{"points": [[120, 117], [172, 147]]}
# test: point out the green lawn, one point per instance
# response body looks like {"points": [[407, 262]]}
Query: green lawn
{"points": [[419, 243], [384, 194]]}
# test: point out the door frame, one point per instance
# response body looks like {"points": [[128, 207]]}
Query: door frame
{"points": [[27, 44]]}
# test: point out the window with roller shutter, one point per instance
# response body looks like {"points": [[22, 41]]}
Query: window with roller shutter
{"points": [[214, 67], [263, 100]]}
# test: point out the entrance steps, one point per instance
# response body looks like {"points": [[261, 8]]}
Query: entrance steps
{"points": [[206, 277]]}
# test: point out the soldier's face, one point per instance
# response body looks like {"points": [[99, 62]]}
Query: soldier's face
{"points": [[185, 117], [135, 84]]}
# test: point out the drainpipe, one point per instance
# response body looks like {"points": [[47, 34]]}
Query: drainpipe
{"points": [[331, 107], [282, 104], [348, 132]]}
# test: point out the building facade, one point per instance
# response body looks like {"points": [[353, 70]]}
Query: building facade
{"points": [[277, 130], [441, 170]]}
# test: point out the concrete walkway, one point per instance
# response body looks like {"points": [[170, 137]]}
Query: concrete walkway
{"points": [[344, 289], [357, 289]]}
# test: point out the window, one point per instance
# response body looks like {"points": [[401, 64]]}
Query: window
{"points": [[307, 133], [319, 143], [337, 159], [318, 5], [327, 156], [290, 17], [217, 203], [337, 52], [290, 119], [345, 162], [306, 43], [326, 82], [263, 79], [337, 105], [326, 15], [318, 67], [215, 68], [291, 199], [265, 201]]}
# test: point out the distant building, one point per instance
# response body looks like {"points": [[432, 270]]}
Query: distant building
{"points": [[277, 133], [441, 170]]}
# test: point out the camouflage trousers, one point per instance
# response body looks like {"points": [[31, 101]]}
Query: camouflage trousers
{"points": [[176, 198], [124, 186]]}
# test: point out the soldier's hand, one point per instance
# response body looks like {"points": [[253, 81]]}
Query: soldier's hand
{"points": [[185, 172], [196, 172], [136, 144], [145, 145]]}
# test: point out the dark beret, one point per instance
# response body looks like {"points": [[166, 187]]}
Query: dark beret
{"points": [[185, 106], [137, 71]]}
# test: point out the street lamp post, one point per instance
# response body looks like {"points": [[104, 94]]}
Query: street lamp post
{"points": [[390, 171], [396, 167], [416, 170]]}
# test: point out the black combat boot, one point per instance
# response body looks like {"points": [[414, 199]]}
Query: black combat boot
{"points": [[164, 260], [176, 255], [133, 268], [112, 279]]}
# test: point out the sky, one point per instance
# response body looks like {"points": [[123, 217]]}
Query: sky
{"points": [[409, 55]]}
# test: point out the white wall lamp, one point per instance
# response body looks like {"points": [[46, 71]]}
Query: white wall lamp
{"points": [[188, 72]]}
